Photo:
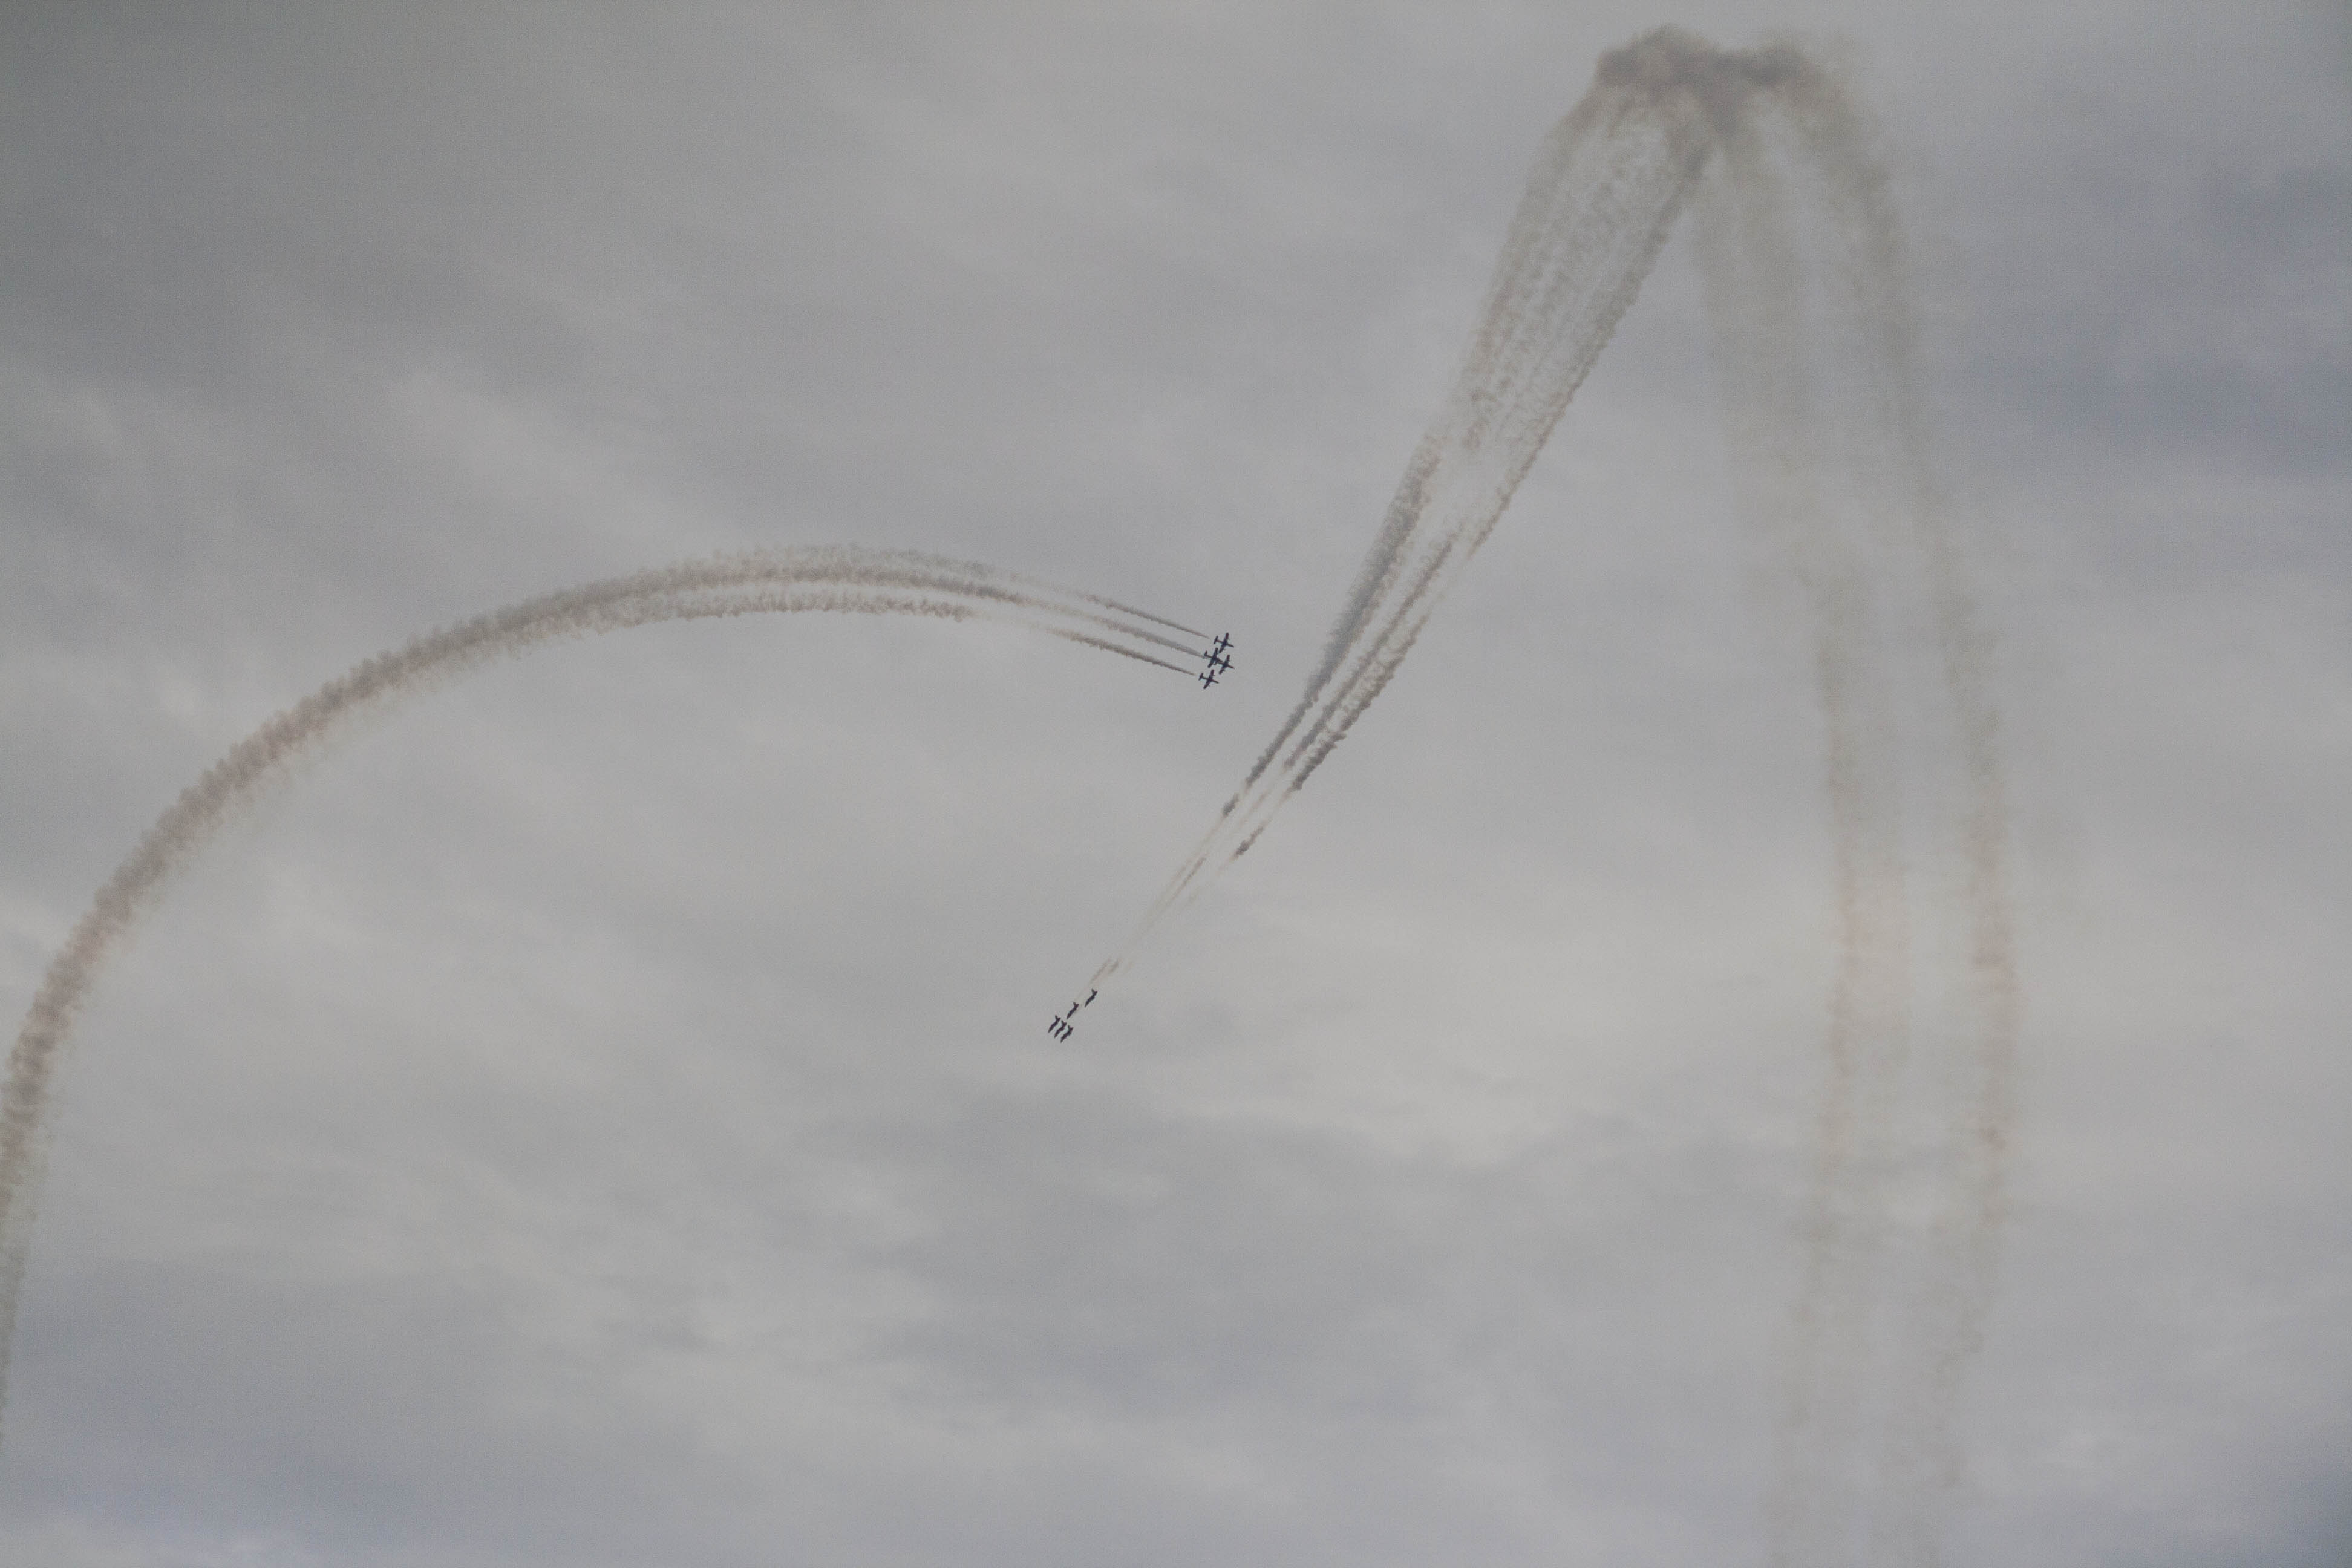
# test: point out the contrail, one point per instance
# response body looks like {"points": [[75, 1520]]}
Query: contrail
{"points": [[1802, 253], [1842, 481], [1783, 424], [1946, 1326], [836, 578], [1606, 189]]}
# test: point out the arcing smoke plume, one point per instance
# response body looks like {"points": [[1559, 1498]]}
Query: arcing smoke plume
{"points": [[1606, 190], [1816, 343], [840, 578]]}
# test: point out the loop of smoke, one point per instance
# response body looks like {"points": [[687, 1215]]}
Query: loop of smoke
{"points": [[1761, 138], [836, 578]]}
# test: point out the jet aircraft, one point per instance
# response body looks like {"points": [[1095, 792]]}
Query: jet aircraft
{"points": [[1219, 660], [1061, 1029]]}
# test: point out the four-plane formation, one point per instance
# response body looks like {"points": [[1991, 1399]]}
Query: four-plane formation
{"points": [[1218, 659]]}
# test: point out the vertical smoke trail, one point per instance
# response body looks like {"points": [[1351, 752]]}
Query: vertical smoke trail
{"points": [[1777, 418], [837, 578], [1829, 1504], [1949, 1321]]}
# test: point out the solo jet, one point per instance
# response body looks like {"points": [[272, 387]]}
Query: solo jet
{"points": [[1219, 661]]}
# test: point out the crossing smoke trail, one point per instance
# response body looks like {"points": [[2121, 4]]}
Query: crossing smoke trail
{"points": [[1829, 441], [836, 578]]}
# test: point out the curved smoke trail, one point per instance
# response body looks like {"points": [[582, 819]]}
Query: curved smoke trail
{"points": [[1781, 414], [836, 578], [1803, 258], [1606, 189], [1794, 206], [1868, 278]]}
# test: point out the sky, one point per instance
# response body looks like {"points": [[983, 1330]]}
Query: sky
{"points": [[602, 1114]]}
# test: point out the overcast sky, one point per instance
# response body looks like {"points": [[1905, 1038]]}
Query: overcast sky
{"points": [[603, 1115]]}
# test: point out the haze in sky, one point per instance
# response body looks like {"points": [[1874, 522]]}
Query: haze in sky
{"points": [[603, 1112]]}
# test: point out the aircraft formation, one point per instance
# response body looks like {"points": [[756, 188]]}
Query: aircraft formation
{"points": [[1220, 660], [1061, 1028], [1215, 660]]}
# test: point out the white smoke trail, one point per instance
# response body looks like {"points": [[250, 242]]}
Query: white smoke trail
{"points": [[1802, 253], [1775, 413], [1603, 198], [836, 578], [1869, 268]]}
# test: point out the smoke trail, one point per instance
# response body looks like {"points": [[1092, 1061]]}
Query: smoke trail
{"points": [[1802, 254], [837, 578], [1774, 414], [1846, 488], [1603, 196], [1948, 1322]]}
